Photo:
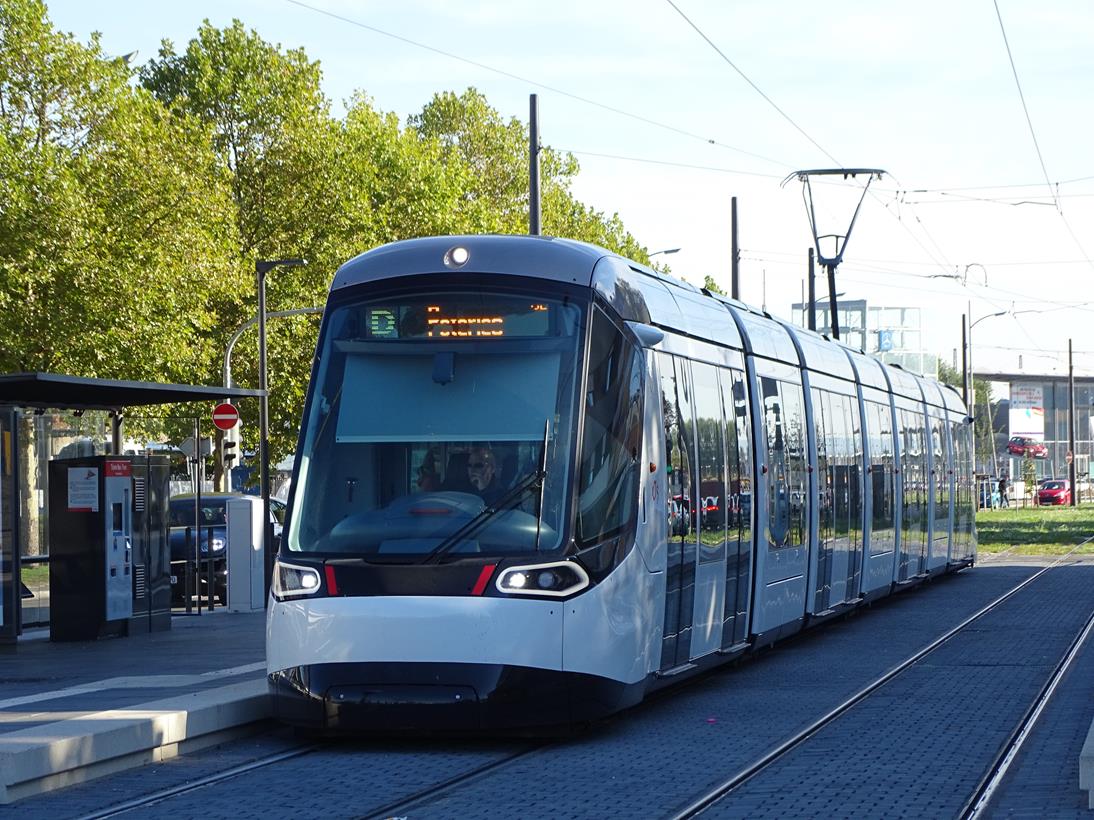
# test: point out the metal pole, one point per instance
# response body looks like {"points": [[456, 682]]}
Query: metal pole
{"points": [[533, 166], [1071, 425], [812, 325], [197, 511], [264, 426], [262, 267], [832, 299], [735, 252], [116, 432], [965, 365]]}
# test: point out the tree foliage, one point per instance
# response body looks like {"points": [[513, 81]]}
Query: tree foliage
{"points": [[115, 221], [135, 205]]}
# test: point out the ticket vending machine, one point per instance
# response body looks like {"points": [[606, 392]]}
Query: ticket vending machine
{"points": [[109, 553]]}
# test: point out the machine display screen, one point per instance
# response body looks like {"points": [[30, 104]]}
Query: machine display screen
{"points": [[463, 316]]}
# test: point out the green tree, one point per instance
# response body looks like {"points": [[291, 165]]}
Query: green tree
{"points": [[982, 428], [115, 222], [277, 145], [1029, 475], [711, 285], [494, 156]]}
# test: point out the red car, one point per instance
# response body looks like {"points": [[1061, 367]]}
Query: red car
{"points": [[1057, 491], [1023, 445]]}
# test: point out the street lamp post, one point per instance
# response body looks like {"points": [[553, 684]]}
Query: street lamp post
{"points": [[666, 252], [262, 267], [969, 379], [232, 435]]}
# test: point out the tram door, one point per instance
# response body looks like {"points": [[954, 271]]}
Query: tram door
{"points": [[708, 609], [681, 495], [914, 493], [838, 429], [708, 578], [782, 498], [941, 478]]}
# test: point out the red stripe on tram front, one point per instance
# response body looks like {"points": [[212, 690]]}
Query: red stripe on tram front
{"points": [[484, 579], [332, 585]]}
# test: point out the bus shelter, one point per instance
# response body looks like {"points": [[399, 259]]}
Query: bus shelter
{"points": [[39, 391]]}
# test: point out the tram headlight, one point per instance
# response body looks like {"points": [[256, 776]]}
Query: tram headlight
{"points": [[557, 579], [293, 581]]}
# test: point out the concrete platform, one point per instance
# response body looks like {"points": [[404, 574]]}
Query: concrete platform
{"points": [[70, 712]]}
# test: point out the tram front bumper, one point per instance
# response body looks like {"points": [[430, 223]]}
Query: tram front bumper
{"points": [[386, 698]]}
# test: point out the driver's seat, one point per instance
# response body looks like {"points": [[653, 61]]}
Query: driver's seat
{"points": [[455, 474]]}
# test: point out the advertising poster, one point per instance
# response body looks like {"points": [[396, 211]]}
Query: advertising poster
{"points": [[83, 489], [1027, 410]]}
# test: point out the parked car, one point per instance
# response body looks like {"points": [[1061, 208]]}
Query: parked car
{"points": [[1055, 491], [1024, 445], [213, 520]]}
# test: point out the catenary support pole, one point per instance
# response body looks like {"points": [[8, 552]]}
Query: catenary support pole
{"points": [[1071, 471], [812, 318], [735, 252], [533, 166], [965, 369], [832, 300]]}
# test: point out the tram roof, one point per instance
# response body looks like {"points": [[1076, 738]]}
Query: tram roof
{"points": [[545, 257], [820, 353], [640, 294]]}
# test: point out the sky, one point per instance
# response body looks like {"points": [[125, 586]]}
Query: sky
{"points": [[979, 112]]}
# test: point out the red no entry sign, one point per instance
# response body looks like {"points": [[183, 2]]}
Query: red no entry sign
{"points": [[225, 416]]}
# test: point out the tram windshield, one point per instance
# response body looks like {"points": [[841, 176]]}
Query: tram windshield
{"points": [[428, 425]]}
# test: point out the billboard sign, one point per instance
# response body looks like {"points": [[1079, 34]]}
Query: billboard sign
{"points": [[1027, 410]]}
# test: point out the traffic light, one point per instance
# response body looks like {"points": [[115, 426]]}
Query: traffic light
{"points": [[230, 449]]}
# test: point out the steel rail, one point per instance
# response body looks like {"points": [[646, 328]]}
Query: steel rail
{"points": [[981, 797], [398, 808], [200, 783], [713, 795]]}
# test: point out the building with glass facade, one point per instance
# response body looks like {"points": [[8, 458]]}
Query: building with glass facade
{"points": [[892, 334]]}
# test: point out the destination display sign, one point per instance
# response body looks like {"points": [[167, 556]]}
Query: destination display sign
{"points": [[459, 317]]}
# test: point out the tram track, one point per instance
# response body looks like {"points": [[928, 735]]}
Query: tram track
{"points": [[431, 800], [392, 808], [398, 807], [979, 802], [162, 795], [990, 781]]}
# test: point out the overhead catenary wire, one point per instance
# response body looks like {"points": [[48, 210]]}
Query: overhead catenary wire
{"points": [[1025, 108], [554, 90], [755, 87], [1033, 134], [937, 256]]}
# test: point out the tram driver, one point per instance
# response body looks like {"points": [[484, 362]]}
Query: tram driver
{"points": [[482, 472]]}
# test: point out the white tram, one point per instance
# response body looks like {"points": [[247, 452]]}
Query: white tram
{"points": [[536, 481]]}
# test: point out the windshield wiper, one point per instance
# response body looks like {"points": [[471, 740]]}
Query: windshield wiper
{"points": [[535, 479]]}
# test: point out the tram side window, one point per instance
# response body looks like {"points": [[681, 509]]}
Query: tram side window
{"points": [[794, 407], [881, 475], [608, 472], [784, 418], [855, 470], [676, 415], [712, 479], [821, 426], [739, 442], [941, 471]]}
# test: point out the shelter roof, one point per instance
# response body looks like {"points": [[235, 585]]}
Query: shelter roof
{"points": [[75, 392]]}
